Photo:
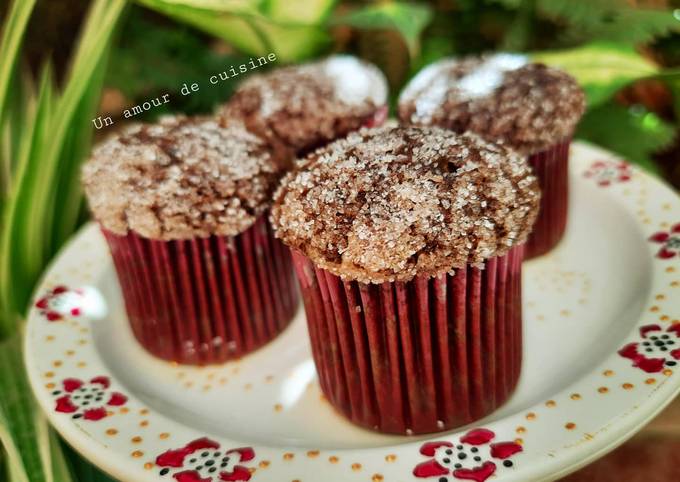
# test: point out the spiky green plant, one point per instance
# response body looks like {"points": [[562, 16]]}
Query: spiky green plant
{"points": [[46, 132]]}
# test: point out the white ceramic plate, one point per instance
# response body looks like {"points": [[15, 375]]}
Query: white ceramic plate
{"points": [[617, 270]]}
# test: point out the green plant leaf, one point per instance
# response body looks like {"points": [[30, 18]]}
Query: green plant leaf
{"points": [[609, 20], [601, 68], [23, 430], [13, 32], [18, 265], [30, 235], [252, 31], [633, 132], [310, 12], [409, 19]]}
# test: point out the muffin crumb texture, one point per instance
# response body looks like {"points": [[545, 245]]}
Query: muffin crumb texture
{"points": [[500, 97], [182, 178], [391, 203], [309, 105]]}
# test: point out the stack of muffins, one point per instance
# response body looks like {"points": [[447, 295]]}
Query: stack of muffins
{"points": [[407, 240]]}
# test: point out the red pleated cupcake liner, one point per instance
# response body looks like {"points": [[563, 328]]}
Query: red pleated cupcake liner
{"points": [[378, 118], [420, 356], [551, 167], [205, 300]]}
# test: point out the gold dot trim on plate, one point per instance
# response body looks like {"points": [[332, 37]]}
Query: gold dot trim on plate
{"points": [[650, 381], [111, 432], [377, 478], [551, 404], [137, 454], [628, 386], [333, 459], [608, 373], [570, 426], [603, 390], [356, 467], [531, 416], [575, 396], [137, 439], [312, 453], [390, 458], [288, 456], [520, 429], [264, 464], [148, 466], [163, 435], [668, 372]]}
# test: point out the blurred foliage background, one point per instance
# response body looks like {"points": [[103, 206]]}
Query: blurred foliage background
{"points": [[64, 62]]}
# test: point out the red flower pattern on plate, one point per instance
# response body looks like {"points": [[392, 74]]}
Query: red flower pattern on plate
{"points": [[658, 349], [202, 461], [87, 400], [58, 301], [473, 457], [669, 241], [606, 173]]}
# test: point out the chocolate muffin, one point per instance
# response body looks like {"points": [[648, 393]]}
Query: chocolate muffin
{"points": [[183, 205], [306, 106], [503, 97], [407, 243]]}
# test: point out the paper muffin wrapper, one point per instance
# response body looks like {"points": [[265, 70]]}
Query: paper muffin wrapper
{"points": [[205, 300], [378, 118], [551, 167], [420, 356]]}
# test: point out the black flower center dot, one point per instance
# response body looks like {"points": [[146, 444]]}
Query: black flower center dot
{"points": [[670, 363], [212, 469], [646, 343], [192, 461], [449, 451], [459, 447], [77, 415], [210, 462], [442, 479], [474, 450], [659, 343], [462, 455], [223, 464], [216, 454], [164, 471], [665, 337], [225, 459], [655, 338], [204, 454], [457, 466], [507, 463], [199, 467], [56, 392], [447, 461]]}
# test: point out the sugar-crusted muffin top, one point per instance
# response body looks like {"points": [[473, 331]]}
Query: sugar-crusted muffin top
{"points": [[182, 178], [390, 203], [500, 97], [308, 105]]}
